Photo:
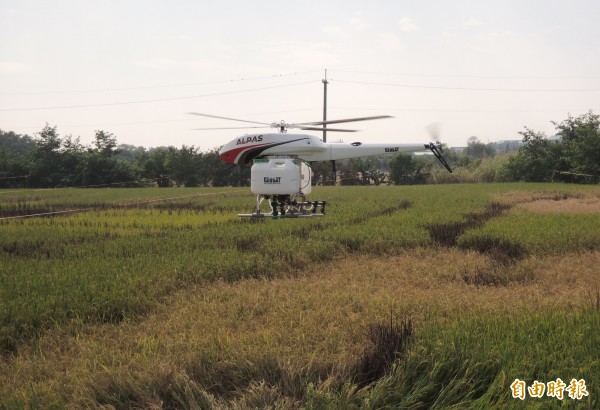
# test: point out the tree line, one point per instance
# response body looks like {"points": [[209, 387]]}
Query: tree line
{"points": [[571, 155], [574, 155], [49, 160]]}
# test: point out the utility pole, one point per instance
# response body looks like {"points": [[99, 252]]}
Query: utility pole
{"points": [[325, 82]]}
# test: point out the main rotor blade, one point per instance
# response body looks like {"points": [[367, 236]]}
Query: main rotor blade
{"points": [[227, 118], [377, 117], [326, 129], [225, 128]]}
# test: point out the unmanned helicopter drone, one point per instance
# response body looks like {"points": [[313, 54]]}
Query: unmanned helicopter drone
{"points": [[280, 171]]}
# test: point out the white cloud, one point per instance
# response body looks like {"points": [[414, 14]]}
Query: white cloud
{"points": [[472, 22], [358, 25], [407, 25]]}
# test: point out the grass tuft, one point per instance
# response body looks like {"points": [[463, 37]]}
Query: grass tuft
{"points": [[388, 341], [501, 250], [405, 204], [447, 233], [498, 275]]}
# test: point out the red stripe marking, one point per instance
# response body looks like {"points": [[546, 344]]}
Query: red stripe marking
{"points": [[231, 155]]}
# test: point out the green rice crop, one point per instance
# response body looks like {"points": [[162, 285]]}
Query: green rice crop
{"points": [[542, 233], [470, 363]]}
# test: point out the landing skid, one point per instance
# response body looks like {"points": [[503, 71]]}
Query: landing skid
{"points": [[286, 216], [287, 206]]}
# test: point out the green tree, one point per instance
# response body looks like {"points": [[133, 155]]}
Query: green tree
{"points": [[183, 165], [577, 150], [377, 176], [46, 158], [349, 171], [406, 169], [219, 173], [153, 165], [580, 138], [537, 158], [100, 167], [14, 170], [15, 165], [16, 144], [362, 171], [477, 150], [127, 152], [72, 160], [322, 172], [105, 144]]}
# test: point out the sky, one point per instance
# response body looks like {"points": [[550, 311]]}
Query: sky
{"points": [[137, 68]]}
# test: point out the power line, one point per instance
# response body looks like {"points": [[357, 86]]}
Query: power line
{"points": [[157, 121], [467, 110], [482, 77], [158, 86], [469, 88], [152, 100]]}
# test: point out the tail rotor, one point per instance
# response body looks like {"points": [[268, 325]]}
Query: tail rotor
{"points": [[436, 148]]}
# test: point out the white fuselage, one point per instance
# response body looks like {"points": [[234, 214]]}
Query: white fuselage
{"points": [[244, 149]]}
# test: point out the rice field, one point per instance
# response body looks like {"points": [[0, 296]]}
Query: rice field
{"points": [[413, 296]]}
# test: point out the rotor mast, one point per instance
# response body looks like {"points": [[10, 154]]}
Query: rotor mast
{"points": [[325, 82]]}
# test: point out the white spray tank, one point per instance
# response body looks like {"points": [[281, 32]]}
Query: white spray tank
{"points": [[305, 178], [280, 176]]}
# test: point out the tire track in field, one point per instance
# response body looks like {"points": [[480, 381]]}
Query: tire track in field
{"points": [[502, 251]]}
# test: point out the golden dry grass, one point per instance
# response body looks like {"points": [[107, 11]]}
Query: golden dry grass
{"points": [[586, 205], [553, 202], [523, 196], [312, 324]]}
